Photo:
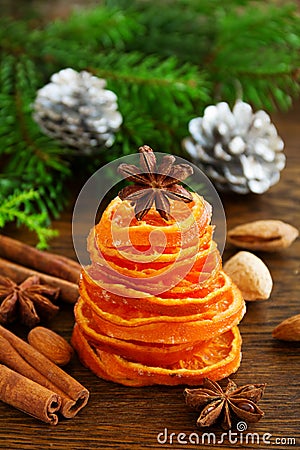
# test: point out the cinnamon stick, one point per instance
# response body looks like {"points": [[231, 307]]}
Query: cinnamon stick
{"points": [[28, 396], [68, 290], [42, 261], [12, 359], [26, 360]]}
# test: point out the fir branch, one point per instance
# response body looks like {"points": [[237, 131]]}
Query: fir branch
{"points": [[249, 44], [155, 98], [30, 161], [258, 49], [185, 28], [97, 29], [178, 30], [15, 207]]}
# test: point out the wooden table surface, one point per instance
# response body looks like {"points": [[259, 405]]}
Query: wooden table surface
{"points": [[131, 418]]}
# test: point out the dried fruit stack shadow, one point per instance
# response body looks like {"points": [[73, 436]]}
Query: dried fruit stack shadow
{"points": [[135, 332]]}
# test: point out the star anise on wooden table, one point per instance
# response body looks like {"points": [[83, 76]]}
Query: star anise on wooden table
{"points": [[154, 185], [233, 402], [28, 301]]}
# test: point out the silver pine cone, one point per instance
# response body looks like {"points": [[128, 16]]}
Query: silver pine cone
{"points": [[77, 110], [238, 150]]}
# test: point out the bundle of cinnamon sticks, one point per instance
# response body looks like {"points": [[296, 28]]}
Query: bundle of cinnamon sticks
{"points": [[32, 383], [19, 261], [29, 381]]}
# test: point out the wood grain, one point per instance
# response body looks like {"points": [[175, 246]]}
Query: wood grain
{"points": [[131, 418]]}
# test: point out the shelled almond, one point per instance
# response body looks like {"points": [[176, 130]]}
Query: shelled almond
{"points": [[51, 344], [263, 235], [288, 330]]}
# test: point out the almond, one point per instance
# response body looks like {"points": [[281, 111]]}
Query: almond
{"points": [[51, 345], [288, 330], [264, 235], [251, 276]]}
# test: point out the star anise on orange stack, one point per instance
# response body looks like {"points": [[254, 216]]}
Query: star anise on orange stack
{"points": [[154, 184], [28, 301], [233, 402]]}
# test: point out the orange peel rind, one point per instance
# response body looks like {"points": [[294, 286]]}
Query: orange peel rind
{"points": [[225, 360]]}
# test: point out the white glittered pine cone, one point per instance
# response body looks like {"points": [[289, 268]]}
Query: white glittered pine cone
{"points": [[238, 150], [77, 110]]}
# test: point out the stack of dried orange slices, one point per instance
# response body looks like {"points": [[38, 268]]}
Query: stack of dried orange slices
{"points": [[155, 306]]}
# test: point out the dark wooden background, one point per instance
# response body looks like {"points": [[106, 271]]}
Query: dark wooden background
{"points": [[131, 418]]}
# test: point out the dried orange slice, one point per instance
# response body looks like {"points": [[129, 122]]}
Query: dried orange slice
{"points": [[136, 258], [114, 226], [217, 359], [197, 268], [171, 303], [127, 323], [149, 354]]}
